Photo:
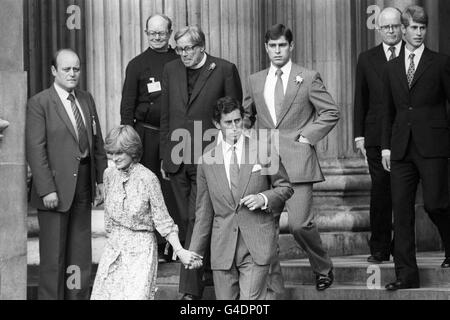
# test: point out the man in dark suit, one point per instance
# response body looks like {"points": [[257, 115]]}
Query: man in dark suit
{"points": [[65, 152], [367, 128], [141, 105], [416, 142], [239, 194], [190, 89], [294, 101]]}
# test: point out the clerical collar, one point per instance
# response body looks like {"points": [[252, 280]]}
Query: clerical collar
{"points": [[201, 64]]}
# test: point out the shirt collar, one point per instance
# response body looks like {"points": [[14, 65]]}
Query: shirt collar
{"points": [[286, 68], [418, 52], [398, 48], [201, 64], [63, 94], [226, 147]]}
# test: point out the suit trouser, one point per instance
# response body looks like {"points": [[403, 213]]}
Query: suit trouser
{"points": [[65, 246], [380, 204], [245, 280], [405, 176], [184, 184], [151, 160]]}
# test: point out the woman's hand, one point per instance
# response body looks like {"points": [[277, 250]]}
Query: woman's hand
{"points": [[189, 259]]}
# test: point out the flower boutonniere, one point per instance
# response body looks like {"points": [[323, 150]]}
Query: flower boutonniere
{"points": [[298, 80], [212, 66]]}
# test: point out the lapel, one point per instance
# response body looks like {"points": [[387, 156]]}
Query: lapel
{"points": [[61, 111], [401, 71], [246, 167], [378, 60], [425, 62], [291, 93], [204, 75], [259, 84], [181, 79], [220, 174], [84, 104]]}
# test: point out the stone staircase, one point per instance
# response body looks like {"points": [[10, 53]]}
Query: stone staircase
{"points": [[355, 279]]}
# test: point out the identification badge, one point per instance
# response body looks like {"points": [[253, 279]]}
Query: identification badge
{"points": [[153, 86]]}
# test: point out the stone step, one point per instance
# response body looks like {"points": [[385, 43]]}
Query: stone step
{"points": [[341, 292]]}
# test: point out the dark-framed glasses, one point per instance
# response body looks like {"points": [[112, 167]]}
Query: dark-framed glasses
{"points": [[187, 49], [154, 34], [389, 27]]}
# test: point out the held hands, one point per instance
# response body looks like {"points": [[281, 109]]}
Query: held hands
{"points": [[253, 202], [189, 259]]}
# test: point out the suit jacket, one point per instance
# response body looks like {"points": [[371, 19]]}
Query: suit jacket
{"points": [[308, 111], [218, 79], [52, 147], [369, 95], [419, 112], [218, 217]]}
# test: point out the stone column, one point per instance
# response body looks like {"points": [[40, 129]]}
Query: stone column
{"points": [[13, 200]]}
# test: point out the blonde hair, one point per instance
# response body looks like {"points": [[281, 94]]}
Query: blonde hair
{"points": [[124, 139]]}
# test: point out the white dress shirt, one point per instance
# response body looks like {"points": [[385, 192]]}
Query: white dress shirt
{"points": [[271, 82], [418, 56], [63, 95]]}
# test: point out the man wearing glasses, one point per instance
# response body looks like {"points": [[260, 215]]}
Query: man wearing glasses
{"points": [[191, 87], [141, 104], [367, 128]]}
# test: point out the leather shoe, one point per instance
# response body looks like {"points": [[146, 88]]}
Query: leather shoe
{"points": [[398, 285], [377, 258], [188, 296], [323, 282], [446, 263]]}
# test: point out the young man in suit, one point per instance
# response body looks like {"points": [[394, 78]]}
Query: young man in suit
{"points": [[238, 198], [416, 142], [65, 152], [367, 128], [294, 101], [191, 87]]}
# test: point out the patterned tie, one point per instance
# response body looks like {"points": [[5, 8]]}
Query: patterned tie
{"points": [[411, 70], [81, 128], [279, 93], [393, 55], [234, 175]]}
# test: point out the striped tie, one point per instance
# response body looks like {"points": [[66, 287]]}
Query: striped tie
{"points": [[81, 128], [393, 55]]}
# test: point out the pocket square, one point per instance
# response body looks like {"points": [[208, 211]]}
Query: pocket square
{"points": [[256, 168]]}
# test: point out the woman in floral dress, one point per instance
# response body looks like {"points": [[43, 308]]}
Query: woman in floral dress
{"points": [[134, 209]]}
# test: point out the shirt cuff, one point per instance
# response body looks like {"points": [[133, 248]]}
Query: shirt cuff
{"points": [[266, 201], [386, 153], [359, 139], [302, 139]]}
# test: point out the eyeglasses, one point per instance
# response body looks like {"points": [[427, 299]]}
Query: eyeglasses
{"points": [[187, 49], [389, 27], [161, 34]]}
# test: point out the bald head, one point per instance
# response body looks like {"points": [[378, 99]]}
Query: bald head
{"points": [[389, 26]]}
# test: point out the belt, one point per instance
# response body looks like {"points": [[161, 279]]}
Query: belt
{"points": [[147, 126]]}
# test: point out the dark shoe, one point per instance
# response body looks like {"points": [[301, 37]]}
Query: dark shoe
{"points": [[188, 296], [162, 258], [398, 285], [446, 263], [377, 258], [323, 282]]}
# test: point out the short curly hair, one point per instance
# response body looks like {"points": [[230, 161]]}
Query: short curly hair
{"points": [[124, 139]]}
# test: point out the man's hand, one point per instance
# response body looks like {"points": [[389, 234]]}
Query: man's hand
{"points": [[386, 161], [253, 202], [164, 175], [51, 201], [360, 145], [99, 195]]}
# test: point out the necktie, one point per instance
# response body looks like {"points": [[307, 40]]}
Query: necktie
{"points": [[234, 175], [393, 55], [411, 70], [82, 132], [279, 93]]}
